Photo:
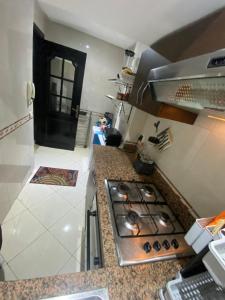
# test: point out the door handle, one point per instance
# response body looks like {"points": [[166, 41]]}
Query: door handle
{"points": [[77, 109], [88, 241], [88, 228]]}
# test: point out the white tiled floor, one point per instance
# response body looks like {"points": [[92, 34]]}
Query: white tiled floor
{"points": [[42, 233]]}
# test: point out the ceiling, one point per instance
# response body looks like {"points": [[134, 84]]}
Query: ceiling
{"points": [[124, 22]]}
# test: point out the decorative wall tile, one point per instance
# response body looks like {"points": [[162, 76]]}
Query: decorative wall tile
{"points": [[12, 127]]}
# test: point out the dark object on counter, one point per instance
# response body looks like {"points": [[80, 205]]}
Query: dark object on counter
{"points": [[113, 137], [144, 168], [195, 266]]}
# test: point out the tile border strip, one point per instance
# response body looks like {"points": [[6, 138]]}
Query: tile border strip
{"points": [[12, 127]]}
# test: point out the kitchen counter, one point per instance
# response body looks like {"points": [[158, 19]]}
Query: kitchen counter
{"points": [[133, 282], [128, 283], [113, 163]]}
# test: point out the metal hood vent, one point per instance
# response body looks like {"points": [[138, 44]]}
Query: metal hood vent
{"points": [[194, 83]]}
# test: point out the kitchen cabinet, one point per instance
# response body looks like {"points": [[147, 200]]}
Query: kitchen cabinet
{"points": [[142, 98]]}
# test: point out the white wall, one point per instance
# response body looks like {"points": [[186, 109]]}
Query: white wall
{"points": [[138, 49], [40, 19], [135, 125], [16, 148], [195, 163], [104, 61]]}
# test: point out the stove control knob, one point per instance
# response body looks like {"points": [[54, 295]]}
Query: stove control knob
{"points": [[156, 246], [175, 244], [166, 245], [147, 247]]}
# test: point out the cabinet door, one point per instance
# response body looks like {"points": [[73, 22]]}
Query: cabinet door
{"points": [[141, 95]]}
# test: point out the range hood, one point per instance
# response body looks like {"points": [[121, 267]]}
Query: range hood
{"points": [[193, 84]]}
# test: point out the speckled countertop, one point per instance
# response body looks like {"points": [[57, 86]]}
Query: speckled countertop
{"points": [[113, 163], [133, 282]]}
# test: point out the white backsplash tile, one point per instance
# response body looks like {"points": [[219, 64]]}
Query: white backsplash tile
{"points": [[16, 149], [195, 163], [16, 58]]}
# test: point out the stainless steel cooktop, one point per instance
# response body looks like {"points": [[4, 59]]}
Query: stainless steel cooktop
{"points": [[145, 229]]}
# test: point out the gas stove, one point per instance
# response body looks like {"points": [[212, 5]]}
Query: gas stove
{"points": [[144, 227]]}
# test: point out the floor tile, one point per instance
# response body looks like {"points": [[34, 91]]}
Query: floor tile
{"points": [[2, 260], [68, 230], [78, 255], [15, 210], [82, 181], [51, 209], [32, 194], [55, 158], [71, 266], [18, 233], [44, 257], [29, 249], [6, 273], [75, 196]]}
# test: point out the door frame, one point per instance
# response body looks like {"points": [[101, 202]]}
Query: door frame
{"points": [[69, 53], [38, 31]]}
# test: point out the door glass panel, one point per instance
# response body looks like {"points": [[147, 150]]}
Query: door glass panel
{"points": [[56, 66], [69, 70], [54, 103], [67, 89], [66, 106], [58, 96], [55, 85]]}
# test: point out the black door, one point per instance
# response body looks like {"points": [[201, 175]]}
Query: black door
{"points": [[58, 109]]}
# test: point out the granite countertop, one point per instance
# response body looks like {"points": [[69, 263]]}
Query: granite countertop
{"points": [[113, 163], [132, 282]]}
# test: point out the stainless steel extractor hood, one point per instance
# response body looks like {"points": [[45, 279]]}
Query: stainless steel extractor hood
{"points": [[194, 83]]}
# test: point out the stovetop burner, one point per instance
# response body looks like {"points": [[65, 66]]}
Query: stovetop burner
{"points": [[132, 220], [164, 218], [134, 192], [132, 217], [123, 189], [145, 229], [148, 192]]}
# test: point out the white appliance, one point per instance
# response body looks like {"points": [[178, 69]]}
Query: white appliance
{"points": [[197, 287], [214, 261]]}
